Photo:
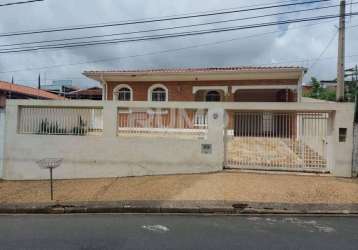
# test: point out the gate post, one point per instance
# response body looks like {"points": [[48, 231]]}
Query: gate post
{"points": [[343, 140], [110, 117], [12, 114], [216, 125]]}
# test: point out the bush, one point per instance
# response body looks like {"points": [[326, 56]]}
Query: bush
{"points": [[47, 127]]}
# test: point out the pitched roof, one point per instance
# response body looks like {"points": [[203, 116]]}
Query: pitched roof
{"points": [[213, 69], [88, 91], [29, 91]]}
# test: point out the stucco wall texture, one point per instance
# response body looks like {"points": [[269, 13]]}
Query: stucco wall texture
{"points": [[110, 155]]}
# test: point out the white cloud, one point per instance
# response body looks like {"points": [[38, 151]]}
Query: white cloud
{"points": [[290, 45]]}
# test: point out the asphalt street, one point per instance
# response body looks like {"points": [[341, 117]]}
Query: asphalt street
{"points": [[176, 232]]}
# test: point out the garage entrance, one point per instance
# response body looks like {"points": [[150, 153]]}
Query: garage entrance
{"points": [[287, 141]]}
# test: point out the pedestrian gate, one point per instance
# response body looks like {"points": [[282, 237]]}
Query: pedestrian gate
{"points": [[287, 141]]}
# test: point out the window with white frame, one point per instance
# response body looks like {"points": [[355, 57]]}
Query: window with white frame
{"points": [[123, 93], [158, 93]]}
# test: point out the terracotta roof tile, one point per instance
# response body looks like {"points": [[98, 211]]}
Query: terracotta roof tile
{"points": [[219, 69], [29, 91], [88, 91]]}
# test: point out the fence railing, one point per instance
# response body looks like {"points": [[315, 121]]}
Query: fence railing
{"points": [[162, 122], [60, 121]]}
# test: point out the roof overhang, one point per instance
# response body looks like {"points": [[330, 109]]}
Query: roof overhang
{"points": [[249, 74]]}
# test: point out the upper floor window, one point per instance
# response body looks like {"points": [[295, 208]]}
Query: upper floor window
{"points": [[123, 93], [213, 96], [158, 93]]}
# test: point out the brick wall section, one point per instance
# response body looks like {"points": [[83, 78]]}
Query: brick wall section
{"points": [[183, 91]]}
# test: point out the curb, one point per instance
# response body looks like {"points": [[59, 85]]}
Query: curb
{"points": [[181, 207]]}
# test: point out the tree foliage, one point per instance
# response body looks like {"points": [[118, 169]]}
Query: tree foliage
{"points": [[318, 92], [351, 88]]}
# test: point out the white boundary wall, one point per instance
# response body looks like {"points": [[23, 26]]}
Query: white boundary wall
{"points": [[2, 139], [109, 155]]}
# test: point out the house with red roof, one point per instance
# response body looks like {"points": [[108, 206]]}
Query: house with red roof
{"points": [[230, 84], [16, 91], [93, 93]]}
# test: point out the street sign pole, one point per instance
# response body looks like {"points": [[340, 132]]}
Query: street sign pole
{"points": [[51, 179]]}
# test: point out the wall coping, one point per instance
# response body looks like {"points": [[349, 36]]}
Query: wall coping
{"points": [[249, 106]]}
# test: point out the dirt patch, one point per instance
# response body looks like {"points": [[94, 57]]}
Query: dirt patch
{"points": [[248, 187]]}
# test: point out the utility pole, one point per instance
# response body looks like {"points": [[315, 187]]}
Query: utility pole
{"points": [[341, 52], [12, 82], [39, 86], [39, 82]]}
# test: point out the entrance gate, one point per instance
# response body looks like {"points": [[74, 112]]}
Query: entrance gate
{"points": [[286, 141]]}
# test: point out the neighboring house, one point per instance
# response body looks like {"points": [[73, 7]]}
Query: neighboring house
{"points": [[94, 93], [328, 85], [306, 88], [60, 87], [16, 91], [232, 84]]}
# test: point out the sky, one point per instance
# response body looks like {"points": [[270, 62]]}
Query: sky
{"points": [[309, 44]]}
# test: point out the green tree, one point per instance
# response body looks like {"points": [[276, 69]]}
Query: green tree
{"points": [[318, 92], [316, 88]]}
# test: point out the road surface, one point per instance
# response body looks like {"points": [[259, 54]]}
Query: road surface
{"points": [[176, 232]]}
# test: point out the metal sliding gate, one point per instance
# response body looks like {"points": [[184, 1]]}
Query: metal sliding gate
{"points": [[287, 141]]}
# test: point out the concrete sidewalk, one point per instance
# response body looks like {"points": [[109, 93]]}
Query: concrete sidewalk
{"points": [[225, 186]]}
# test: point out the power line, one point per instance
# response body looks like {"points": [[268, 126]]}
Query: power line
{"points": [[18, 3], [306, 60], [201, 12], [324, 50], [168, 35], [161, 51], [168, 28], [176, 50], [156, 20], [267, 64]]}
